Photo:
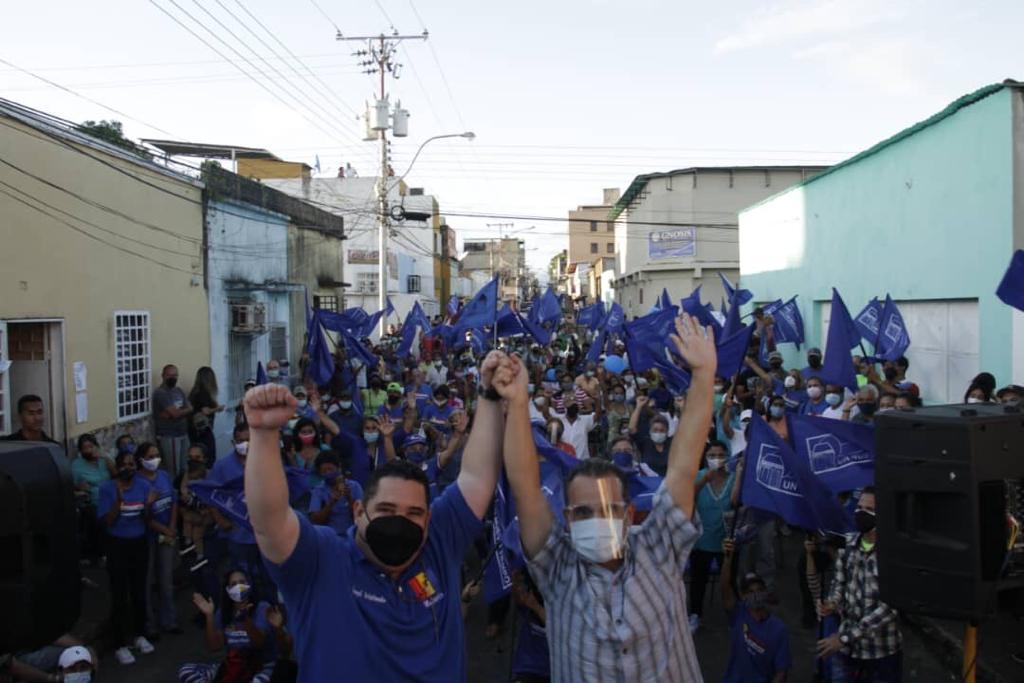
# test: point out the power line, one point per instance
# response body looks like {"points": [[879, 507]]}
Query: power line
{"points": [[87, 99], [325, 16]]}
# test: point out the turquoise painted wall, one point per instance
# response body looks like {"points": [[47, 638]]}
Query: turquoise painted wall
{"points": [[930, 217]]}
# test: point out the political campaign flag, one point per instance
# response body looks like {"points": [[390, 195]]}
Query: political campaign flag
{"points": [[482, 309], [867, 320], [841, 454], [261, 374], [703, 314], [665, 301], [789, 324], [508, 323], [229, 496], [549, 308], [453, 305], [389, 309], [321, 360], [614, 321], [776, 480], [535, 330], [842, 336], [732, 350], [590, 316], [596, 347], [893, 339], [356, 351], [735, 295], [1011, 287]]}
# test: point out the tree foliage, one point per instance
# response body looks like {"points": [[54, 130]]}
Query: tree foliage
{"points": [[112, 132]]}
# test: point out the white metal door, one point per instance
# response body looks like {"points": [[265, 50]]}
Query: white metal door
{"points": [[5, 383]]}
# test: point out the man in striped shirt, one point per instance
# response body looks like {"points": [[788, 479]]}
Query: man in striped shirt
{"points": [[614, 594]]}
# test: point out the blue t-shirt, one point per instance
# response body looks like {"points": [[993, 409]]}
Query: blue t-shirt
{"points": [[131, 523], [423, 394], [236, 638], [757, 649], [166, 497], [808, 408], [341, 514], [531, 655], [347, 612], [396, 412], [438, 416], [711, 506], [226, 469]]}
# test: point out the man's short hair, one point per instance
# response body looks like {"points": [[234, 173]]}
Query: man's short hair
{"points": [[750, 580], [397, 469], [25, 400], [621, 439], [167, 367], [326, 458], [715, 443], [659, 420], [902, 362], [596, 468], [239, 428]]}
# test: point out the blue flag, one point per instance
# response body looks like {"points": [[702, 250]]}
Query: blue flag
{"points": [[596, 348], [789, 324], [1011, 287], [735, 296], [508, 323], [840, 453], [542, 336], [308, 309], [591, 316], [356, 351], [482, 309], [666, 300], [261, 374], [370, 324], [415, 321], [229, 496], [389, 309], [549, 308], [732, 350], [842, 336], [615, 320], [321, 361], [867, 320], [702, 313], [453, 305], [776, 480], [893, 339]]}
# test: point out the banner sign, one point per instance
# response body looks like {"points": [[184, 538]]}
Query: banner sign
{"points": [[673, 243]]}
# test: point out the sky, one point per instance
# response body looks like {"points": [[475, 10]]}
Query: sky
{"points": [[565, 97]]}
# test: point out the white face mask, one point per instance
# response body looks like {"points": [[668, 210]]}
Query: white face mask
{"points": [[77, 677], [151, 464], [238, 592], [598, 539], [273, 374], [371, 437], [344, 405], [789, 382], [974, 399], [833, 399], [659, 437], [242, 447], [303, 403], [814, 392], [715, 463]]}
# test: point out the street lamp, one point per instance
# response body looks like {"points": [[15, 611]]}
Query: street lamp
{"points": [[469, 135]]}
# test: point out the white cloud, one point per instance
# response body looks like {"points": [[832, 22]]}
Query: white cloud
{"points": [[783, 23]]}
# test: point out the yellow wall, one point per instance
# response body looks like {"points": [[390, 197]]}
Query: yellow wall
{"points": [[270, 168], [51, 270], [580, 236]]}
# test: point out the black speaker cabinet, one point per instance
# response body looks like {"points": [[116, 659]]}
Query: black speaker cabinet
{"points": [[943, 476], [39, 576]]}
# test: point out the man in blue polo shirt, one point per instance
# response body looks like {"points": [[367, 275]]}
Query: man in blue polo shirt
{"points": [[383, 602]]}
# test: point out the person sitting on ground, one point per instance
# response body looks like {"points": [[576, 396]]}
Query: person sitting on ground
{"points": [[77, 664], [758, 640], [44, 665]]}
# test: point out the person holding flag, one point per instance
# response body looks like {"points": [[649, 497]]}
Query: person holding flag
{"points": [[613, 614], [392, 584]]}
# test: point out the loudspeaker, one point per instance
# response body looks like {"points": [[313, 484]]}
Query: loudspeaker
{"points": [[40, 585], [942, 476]]}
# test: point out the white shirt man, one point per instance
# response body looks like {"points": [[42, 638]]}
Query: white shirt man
{"points": [[576, 431]]}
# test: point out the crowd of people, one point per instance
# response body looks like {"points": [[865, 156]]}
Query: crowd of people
{"points": [[368, 497]]}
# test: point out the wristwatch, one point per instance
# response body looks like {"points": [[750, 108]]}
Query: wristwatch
{"points": [[491, 394], [844, 639]]}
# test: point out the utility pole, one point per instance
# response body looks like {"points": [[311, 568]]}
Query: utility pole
{"points": [[501, 238], [380, 59]]}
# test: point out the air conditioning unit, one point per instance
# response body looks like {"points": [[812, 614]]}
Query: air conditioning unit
{"points": [[412, 284], [248, 318]]}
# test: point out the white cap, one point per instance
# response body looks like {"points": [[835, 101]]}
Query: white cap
{"points": [[746, 414], [74, 655]]}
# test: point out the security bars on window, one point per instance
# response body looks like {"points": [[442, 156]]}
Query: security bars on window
{"points": [[133, 365]]}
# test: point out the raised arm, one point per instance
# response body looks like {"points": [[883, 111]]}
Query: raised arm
{"points": [[267, 408], [697, 347], [481, 459], [728, 592], [523, 469], [634, 418]]}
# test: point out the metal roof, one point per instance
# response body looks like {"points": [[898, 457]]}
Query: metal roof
{"points": [[209, 151], [953, 107], [640, 182]]}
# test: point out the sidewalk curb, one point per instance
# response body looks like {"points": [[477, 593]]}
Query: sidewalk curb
{"points": [[949, 647]]}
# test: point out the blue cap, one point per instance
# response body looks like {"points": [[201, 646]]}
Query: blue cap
{"points": [[413, 439]]}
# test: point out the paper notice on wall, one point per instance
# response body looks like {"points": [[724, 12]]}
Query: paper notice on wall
{"points": [[80, 376], [81, 407]]}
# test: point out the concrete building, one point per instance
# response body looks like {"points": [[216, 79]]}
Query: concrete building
{"points": [[102, 273], [505, 256], [930, 216], [678, 230], [592, 237]]}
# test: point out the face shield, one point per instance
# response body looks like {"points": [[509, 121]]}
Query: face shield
{"points": [[597, 525]]}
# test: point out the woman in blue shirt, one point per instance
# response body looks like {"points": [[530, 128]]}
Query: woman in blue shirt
{"points": [[163, 523], [88, 472], [249, 631], [714, 496], [122, 510], [330, 503]]}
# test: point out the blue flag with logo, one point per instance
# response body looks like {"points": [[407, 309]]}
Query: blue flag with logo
{"points": [[893, 339], [229, 496], [842, 336], [508, 323], [356, 351], [416, 320], [732, 350], [542, 336], [789, 324], [614, 321], [702, 313], [841, 454], [776, 480], [453, 305], [261, 374], [482, 309], [867, 320], [549, 308], [596, 348], [321, 360], [1011, 287], [732, 319], [735, 295], [591, 316]]}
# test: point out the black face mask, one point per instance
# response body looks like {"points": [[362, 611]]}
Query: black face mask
{"points": [[393, 400], [867, 409], [393, 539], [171, 382], [814, 361], [125, 474], [775, 364], [890, 374], [572, 412], [864, 520]]}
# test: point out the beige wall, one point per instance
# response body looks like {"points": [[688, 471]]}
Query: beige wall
{"points": [[51, 270], [271, 168], [581, 237]]}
